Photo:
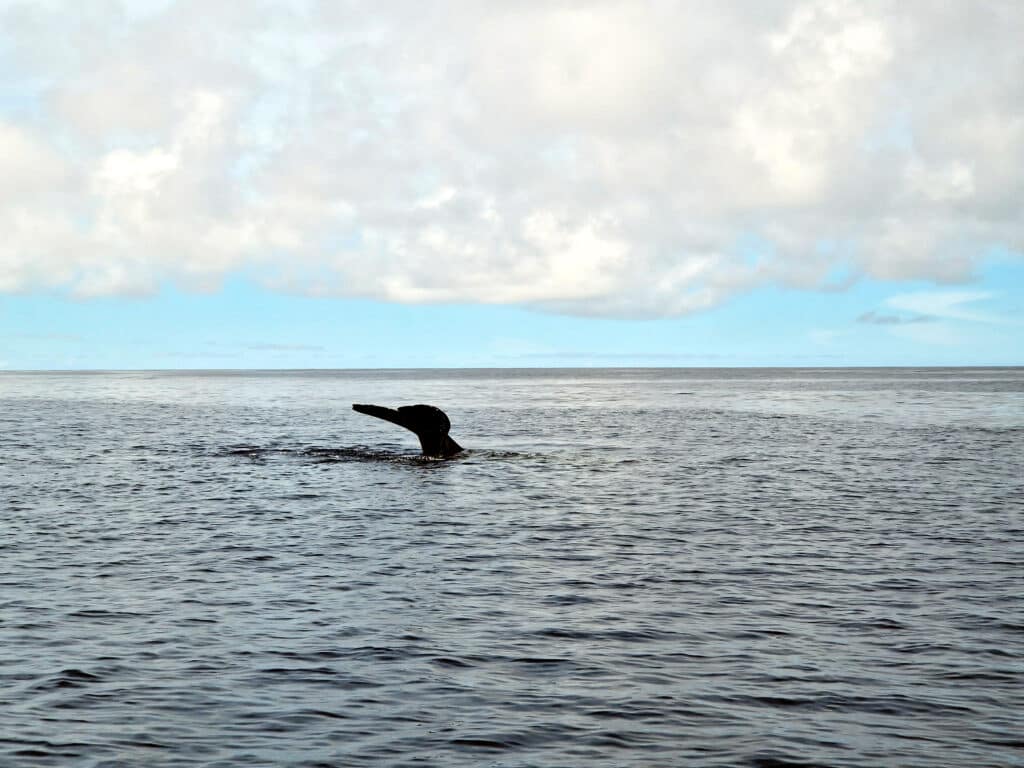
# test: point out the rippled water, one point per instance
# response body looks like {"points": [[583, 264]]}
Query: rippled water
{"points": [[628, 568]]}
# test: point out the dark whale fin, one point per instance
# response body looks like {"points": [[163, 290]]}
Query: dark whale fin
{"points": [[430, 424]]}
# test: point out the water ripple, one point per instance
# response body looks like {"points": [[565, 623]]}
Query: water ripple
{"points": [[777, 569]]}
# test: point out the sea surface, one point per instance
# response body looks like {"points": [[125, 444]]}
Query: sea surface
{"points": [[665, 567]]}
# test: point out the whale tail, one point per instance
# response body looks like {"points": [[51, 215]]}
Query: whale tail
{"points": [[430, 424]]}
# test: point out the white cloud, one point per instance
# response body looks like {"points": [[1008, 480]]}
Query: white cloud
{"points": [[940, 334], [942, 317], [948, 305], [589, 157], [822, 335]]}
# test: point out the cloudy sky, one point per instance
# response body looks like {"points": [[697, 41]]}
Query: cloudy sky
{"points": [[320, 183]]}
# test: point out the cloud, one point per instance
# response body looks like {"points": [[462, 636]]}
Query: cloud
{"points": [[266, 347], [825, 336], [942, 317], [600, 157], [877, 318], [62, 337], [664, 356], [940, 333], [947, 305]]}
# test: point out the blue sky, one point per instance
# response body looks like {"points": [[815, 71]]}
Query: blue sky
{"points": [[244, 326], [599, 183]]}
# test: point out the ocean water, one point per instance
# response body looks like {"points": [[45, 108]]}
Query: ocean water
{"points": [[627, 568]]}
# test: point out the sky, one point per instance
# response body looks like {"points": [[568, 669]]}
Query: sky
{"points": [[330, 184]]}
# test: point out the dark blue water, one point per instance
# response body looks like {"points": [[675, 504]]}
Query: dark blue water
{"points": [[627, 568]]}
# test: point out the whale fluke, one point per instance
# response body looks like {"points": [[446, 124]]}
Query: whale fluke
{"points": [[430, 424]]}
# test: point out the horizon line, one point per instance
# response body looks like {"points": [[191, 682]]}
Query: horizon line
{"points": [[782, 366]]}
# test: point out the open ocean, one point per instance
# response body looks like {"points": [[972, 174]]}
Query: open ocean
{"points": [[648, 567]]}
